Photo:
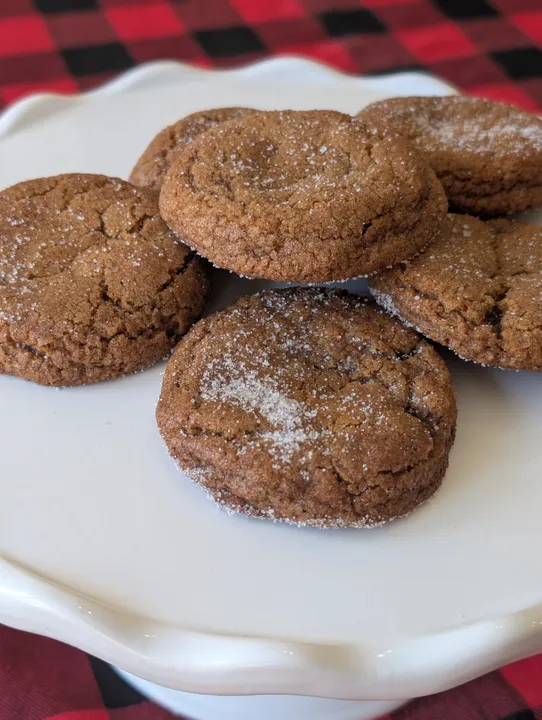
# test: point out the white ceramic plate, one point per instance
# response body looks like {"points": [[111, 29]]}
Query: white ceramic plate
{"points": [[107, 546]]}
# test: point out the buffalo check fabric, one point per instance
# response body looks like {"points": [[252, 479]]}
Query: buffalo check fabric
{"points": [[489, 48], [41, 679]]}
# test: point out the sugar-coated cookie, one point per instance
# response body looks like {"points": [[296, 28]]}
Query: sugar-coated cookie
{"points": [[309, 406], [477, 289], [301, 197], [151, 168], [93, 284], [487, 155]]}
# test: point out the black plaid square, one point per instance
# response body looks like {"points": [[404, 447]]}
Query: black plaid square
{"points": [[58, 6], [229, 42], [458, 9], [350, 22], [114, 691], [97, 59], [520, 63]]}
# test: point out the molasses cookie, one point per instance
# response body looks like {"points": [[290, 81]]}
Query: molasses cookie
{"points": [[151, 168], [488, 156], [477, 289], [309, 406], [301, 197], [93, 284]]}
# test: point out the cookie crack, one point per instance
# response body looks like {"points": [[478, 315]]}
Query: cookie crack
{"points": [[407, 354], [103, 230], [69, 199], [30, 349], [440, 310], [42, 194], [369, 483], [494, 317], [179, 271], [136, 228]]}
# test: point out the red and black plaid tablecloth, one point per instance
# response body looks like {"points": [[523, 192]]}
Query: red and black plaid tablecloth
{"points": [[485, 47], [41, 679], [491, 48]]}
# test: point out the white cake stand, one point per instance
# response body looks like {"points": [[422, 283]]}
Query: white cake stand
{"points": [[104, 545]]}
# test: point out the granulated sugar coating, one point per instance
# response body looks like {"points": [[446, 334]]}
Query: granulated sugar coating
{"points": [[309, 406], [478, 290], [487, 155], [301, 197], [151, 168], [92, 282]]}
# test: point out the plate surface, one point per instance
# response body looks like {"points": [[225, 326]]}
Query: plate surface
{"points": [[192, 598]]}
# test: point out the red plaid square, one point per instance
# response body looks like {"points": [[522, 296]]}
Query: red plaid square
{"points": [[115, 3], [329, 53], [42, 678], [183, 48], [469, 72], [437, 42], [24, 34], [82, 715], [268, 10], [382, 3], [80, 28], [376, 54], [14, 91], [318, 6], [16, 7], [507, 92], [493, 34], [487, 698], [210, 14], [38, 70], [510, 6], [280, 33], [533, 87], [147, 20], [529, 23], [93, 80], [526, 677], [414, 14]]}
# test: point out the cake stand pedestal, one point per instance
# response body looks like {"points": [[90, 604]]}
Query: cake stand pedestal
{"points": [[259, 707]]}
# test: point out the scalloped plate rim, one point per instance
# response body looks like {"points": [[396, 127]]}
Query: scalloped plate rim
{"points": [[138, 645], [135, 78], [342, 671]]}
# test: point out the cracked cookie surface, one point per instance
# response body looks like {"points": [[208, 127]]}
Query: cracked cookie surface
{"points": [[300, 196], [309, 406], [151, 168], [93, 284], [477, 289], [487, 155]]}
